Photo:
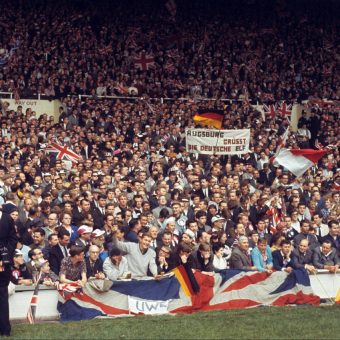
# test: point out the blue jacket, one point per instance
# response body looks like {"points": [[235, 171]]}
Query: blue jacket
{"points": [[258, 259]]}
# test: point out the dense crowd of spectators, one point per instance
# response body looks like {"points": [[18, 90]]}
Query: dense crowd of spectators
{"points": [[138, 204], [284, 49]]}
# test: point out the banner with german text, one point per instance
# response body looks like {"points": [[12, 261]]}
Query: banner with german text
{"points": [[217, 142]]}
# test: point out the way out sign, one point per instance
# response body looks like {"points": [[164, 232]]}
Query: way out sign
{"points": [[147, 307], [217, 142]]}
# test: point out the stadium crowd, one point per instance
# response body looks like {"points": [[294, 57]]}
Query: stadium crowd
{"points": [[138, 204]]}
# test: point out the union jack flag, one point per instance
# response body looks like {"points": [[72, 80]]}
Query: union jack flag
{"points": [[34, 302], [144, 61], [134, 30], [228, 289], [268, 96], [131, 42], [285, 110], [63, 152], [169, 66], [178, 84], [105, 50], [321, 103], [173, 53], [121, 88], [269, 110]]}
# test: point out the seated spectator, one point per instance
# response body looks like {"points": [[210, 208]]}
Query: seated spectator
{"points": [[164, 259], [333, 235], [94, 264], [326, 257], [141, 259], [219, 261], [302, 257], [98, 239], [73, 268], [36, 256], [202, 259], [47, 277], [240, 257], [116, 266], [262, 256], [20, 275], [182, 254], [282, 257]]}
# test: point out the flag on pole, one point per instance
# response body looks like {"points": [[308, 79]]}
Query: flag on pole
{"points": [[209, 118], [32, 309], [33, 306], [298, 161], [63, 152]]}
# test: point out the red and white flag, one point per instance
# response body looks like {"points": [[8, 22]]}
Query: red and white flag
{"points": [[144, 61], [269, 110], [298, 161], [285, 110], [63, 152], [171, 7]]}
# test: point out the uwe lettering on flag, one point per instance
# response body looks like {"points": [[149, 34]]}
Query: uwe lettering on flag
{"points": [[144, 61]]}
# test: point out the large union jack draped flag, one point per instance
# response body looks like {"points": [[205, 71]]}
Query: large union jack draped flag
{"points": [[227, 290]]}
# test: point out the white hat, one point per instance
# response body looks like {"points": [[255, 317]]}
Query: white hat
{"points": [[97, 233], [83, 229], [18, 252], [217, 218], [190, 233]]}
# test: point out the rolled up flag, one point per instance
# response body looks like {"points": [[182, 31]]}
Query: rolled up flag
{"points": [[298, 161], [209, 118]]}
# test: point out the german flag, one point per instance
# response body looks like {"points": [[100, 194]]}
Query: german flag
{"points": [[186, 279], [209, 118]]}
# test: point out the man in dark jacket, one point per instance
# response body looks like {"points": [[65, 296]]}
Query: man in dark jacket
{"points": [[94, 265], [302, 257], [282, 257], [202, 258], [8, 241], [326, 257]]}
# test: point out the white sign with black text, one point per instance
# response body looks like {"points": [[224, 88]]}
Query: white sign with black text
{"points": [[217, 142]]}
